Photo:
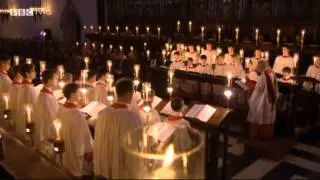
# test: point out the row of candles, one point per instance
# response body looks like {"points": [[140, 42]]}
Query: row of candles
{"points": [[219, 30]]}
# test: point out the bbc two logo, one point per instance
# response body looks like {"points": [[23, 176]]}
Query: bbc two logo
{"points": [[30, 12]]}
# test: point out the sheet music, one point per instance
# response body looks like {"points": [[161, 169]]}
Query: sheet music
{"points": [[161, 131], [93, 108], [156, 101], [167, 109], [201, 112]]}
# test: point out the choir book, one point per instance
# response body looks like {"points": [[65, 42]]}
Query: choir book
{"points": [[167, 109], [161, 131], [201, 112], [93, 109]]}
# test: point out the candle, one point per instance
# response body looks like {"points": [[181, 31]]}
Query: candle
{"points": [[219, 51], [42, 66], [237, 34], [28, 61], [202, 32], [170, 47], [131, 49], [315, 58], [93, 45], [178, 26], [170, 74], [126, 28], [85, 27], [148, 29], [296, 59], [28, 110], [257, 35], [219, 34], [137, 30], [108, 28], [60, 71], [159, 30], [303, 33], [110, 47], [241, 52], [16, 60], [165, 172], [190, 26], [61, 84], [198, 47], [101, 46], [99, 28], [77, 43], [136, 70], [57, 125], [6, 102], [85, 44], [120, 48], [91, 27], [167, 46], [84, 75], [229, 76], [148, 53], [86, 61], [278, 35], [266, 55], [117, 29], [145, 45], [247, 62], [109, 64]]}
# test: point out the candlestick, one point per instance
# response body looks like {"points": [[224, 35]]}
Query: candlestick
{"points": [[229, 76], [137, 30], [190, 26], [170, 75], [257, 35], [6, 102], [57, 125], [131, 49], [28, 60], [136, 70], [219, 34], [16, 60], [178, 26], [159, 30], [86, 61], [126, 28], [28, 109], [237, 34], [202, 33], [241, 53], [109, 64]]}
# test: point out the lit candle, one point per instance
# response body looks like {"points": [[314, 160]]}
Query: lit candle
{"points": [[198, 47], [163, 53], [28, 110], [77, 43], [315, 58], [159, 30], [190, 26], [86, 61], [165, 172], [237, 34], [148, 53], [84, 75], [278, 33], [28, 60], [145, 45], [109, 64], [257, 35], [137, 30], [131, 49], [219, 51], [202, 32], [229, 76], [219, 34], [57, 125], [91, 27], [93, 45], [85, 27], [16, 60], [178, 26], [101, 46], [136, 70], [42, 66], [60, 71], [117, 29], [170, 47], [99, 28], [6, 102], [241, 52], [303, 32], [108, 28], [126, 29], [85, 44], [167, 46], [120, 48], [61, 84], [170, 74], [296, 59], [148, 29], [110, 47], [266, 55], [247, 62]]}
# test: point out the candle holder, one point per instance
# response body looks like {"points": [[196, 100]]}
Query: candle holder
{"points": [[145, 160], [7, 116], [59, 149], [30, 130]]}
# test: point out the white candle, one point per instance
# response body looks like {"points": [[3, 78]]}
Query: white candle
{"points": [[6, 102], [257, 34], [101, 46], [110, 47], [237, 34], [296, 59], [85, 44], [229, 76], [28, 110], [170, 74], [131, 48], [108, 28], [219, 51], [202, 32], [148, 29], [99, 28], [91, 27], [109, 64], [85, 27], [117, 29], [126, 29], [178, 26], [120, 47], [159, 30], [148, 53], [166, 172], [315, 58], [241, 52], [28, 61], [137, 30], [190, 26], [278, 32], [57, 125], [266, 55], [93, 45], [86, 61], [303, 32], [136, 70], [42, 66], [16, 60], [77, 43], [145, 45]]}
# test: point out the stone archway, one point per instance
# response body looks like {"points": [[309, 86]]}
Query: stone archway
{"points": [[70, 23]]}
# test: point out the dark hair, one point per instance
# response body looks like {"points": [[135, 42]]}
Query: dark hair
{"points": [[16, 70], [286, 69], [70, 89], [124, 86], [203, 57], [177, 104], [176, 53], [190, 59], [4, 59], [47, 75], [101, 73], [26, 68], [91, 74]]}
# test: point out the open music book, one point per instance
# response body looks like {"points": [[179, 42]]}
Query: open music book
{"points": [[155, 102], [93, 109], [161, 131], [167, 109], [201, 112]]}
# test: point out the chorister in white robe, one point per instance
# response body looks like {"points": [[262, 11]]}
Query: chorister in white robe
{"points": [[282, 62], [314, 72], [77, 139], [149, 118], [101, 92], [113, 123], [14, 99], [28, 96], [262, 102], [177, 65], [211, 56], [205, 69], [231, 60], [194, 56], [90, 94], [5, 87], [46, 108], [255, 62]]}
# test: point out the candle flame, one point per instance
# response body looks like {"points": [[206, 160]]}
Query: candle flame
{"points": [[168, 156], [57, 125]]}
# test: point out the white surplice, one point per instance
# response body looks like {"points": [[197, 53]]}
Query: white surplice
{"points": [[234, 60], [28, 96], [90, 94], [5, 88], [313, 72], [14, 100], [112, 125], [211, 56], [177, 65], [282, 62], [77, 139], [151, 117], [46, 108], [261, 109], [194, 56]]}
